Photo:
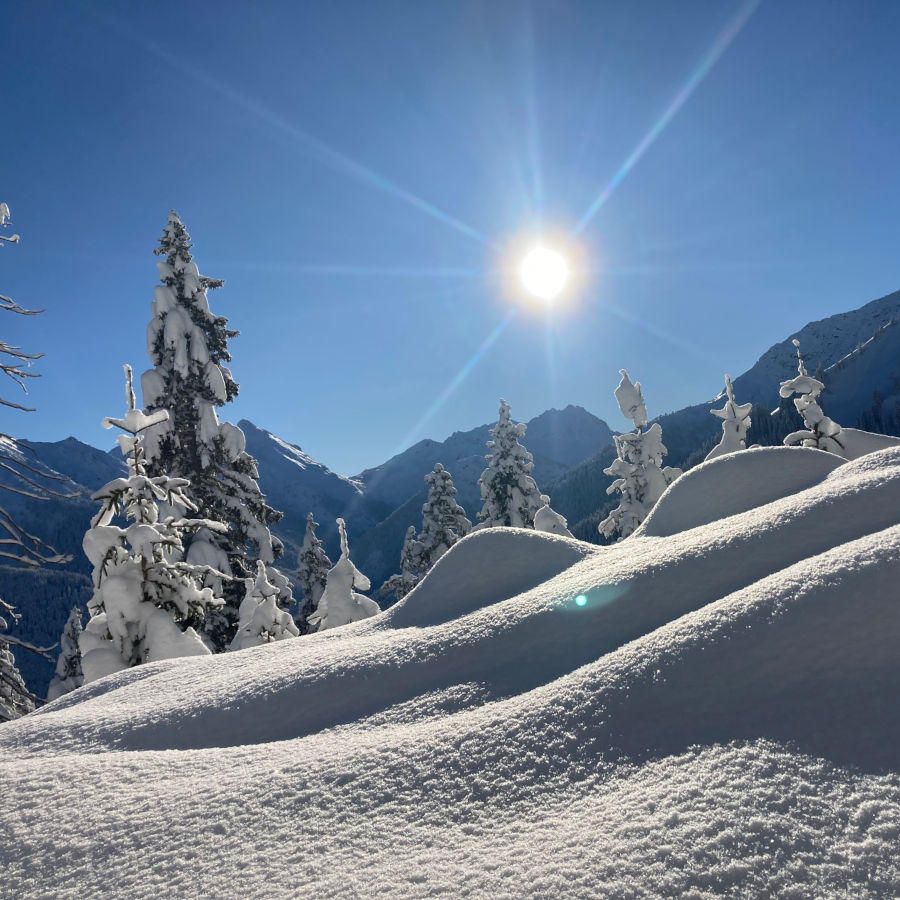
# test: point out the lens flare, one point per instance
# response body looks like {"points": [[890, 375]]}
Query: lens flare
{"points": [[581, 600]]}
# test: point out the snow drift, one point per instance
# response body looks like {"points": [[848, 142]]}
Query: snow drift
{"points": [[719, 717]]}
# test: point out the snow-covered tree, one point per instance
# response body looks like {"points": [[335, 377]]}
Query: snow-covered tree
{"points": [[68, 664], [15, 699], [735, 424], [340, 604], [821, 432], [188, 347], [312, 565], [637, 468], [261, 619], [510, 495], [411, 567], [547, 519], [144, 590], [444, 522]]}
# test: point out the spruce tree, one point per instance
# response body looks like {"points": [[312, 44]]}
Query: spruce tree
{"points": [[312, 573], [510, 495], [68, 665], [261, 619], [411, 567], [444, 521], [188, 347], [145, 593], [341, 604], [640, 478], [821, 432], [735, 424]]}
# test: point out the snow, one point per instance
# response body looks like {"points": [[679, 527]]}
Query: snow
{"points": [[720, 717]]}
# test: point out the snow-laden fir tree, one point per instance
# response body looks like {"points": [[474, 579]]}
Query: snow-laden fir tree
{"points": [[15, 699], [550, 521], [188, 347], [637, 468], [261, 619], [510, 495], [68, 664], [444, 521], [735, 424], [821, 432], [411, 567], [312, 572], [144, 590], [341, 604]]}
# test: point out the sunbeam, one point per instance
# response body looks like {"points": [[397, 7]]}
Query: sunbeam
{"points": [[457, 380], [318, 149], [710, 58]]}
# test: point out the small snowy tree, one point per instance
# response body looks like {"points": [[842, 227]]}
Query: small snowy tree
{"points": [[821, 432], [411, 567], [188, 347], [142, 585], [637, 468], [68, 665], [15, 699], [510, 495], [261, 619], [312, 565], [735, 424], [444, 522], [547, 519], [340, 604]]}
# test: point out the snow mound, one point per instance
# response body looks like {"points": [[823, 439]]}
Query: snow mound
{"points": [[485, 567], [718, 717], [731, 484]]}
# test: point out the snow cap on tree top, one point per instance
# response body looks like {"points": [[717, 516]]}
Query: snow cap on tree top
{"points": [[631, 400]]}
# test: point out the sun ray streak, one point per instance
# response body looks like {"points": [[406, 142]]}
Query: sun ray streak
{"points": [[315, 147], [457, 380], [441, 272], [710, 58]]}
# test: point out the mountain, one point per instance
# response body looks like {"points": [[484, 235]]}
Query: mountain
{"points": [[855, 354], [297, 484], [380, 503], [707, 709]]}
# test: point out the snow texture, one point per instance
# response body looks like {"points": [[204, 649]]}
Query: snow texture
{"points": [[719, 718], [549, 521]]}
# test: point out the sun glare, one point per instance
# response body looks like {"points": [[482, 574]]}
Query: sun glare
{"points": [[544, 273]]}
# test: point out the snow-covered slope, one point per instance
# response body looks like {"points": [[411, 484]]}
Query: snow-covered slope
{"points": [[719, 717]]}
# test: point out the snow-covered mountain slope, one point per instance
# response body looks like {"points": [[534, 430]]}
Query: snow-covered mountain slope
{"points": [[297, 484], [719, 717]]}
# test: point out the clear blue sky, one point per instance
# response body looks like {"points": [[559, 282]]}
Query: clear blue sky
{"points": [[350, 169]]}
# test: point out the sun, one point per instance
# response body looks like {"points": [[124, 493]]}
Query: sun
{"points": [[544, 273]]}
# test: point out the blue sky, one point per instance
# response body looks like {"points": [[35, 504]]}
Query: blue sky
{"points": [[354, 171]]}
